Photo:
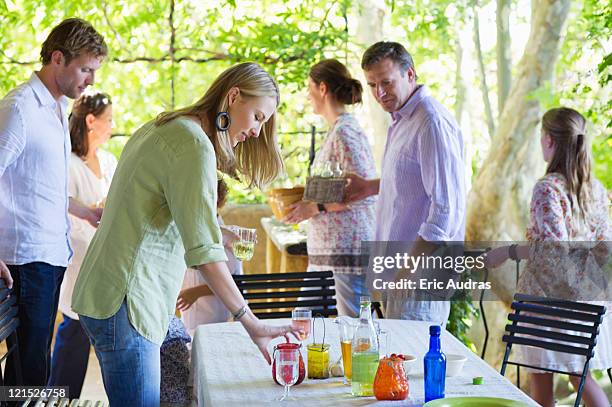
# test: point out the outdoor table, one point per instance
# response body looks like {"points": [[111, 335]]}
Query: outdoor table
{"points": [[228, 369], [285, 247]]}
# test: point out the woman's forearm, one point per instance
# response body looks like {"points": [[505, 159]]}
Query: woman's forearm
{"points": [[221, 283]]}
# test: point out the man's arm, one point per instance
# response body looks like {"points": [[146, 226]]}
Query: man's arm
{"points": [[79, 210], [443, 177], [359, 188], [12, 137], [5, 274]]}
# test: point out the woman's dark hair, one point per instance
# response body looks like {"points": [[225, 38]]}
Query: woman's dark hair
{"points": [[222, 191], [86, 104], [572, 155], [339, 81]]}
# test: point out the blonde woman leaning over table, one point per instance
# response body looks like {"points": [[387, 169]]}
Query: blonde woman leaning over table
{"points": [[91, 172], [568, 205], [335, 231], [161, 217]]}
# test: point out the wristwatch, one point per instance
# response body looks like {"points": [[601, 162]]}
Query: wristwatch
{"points": [[512, 252], [321, 208]]}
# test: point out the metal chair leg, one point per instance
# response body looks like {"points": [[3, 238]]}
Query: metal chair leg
{"points": [[484, 317]]}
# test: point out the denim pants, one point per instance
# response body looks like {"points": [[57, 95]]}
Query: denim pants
{"points": [[129, 362], [349, 289], [36, 286], [70, 357]]}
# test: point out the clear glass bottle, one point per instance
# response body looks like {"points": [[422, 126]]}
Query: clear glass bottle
{"points": [[434, 363], [364, 352]]}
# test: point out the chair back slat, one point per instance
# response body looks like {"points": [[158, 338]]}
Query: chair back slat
{"points": [[546, 309], [287, 314], [8, 329], [582, 340], [248, 285], [7, 303], [553, 302], [292, 304], [284, 276], [574, 350], [553, 323], [289, 294]]}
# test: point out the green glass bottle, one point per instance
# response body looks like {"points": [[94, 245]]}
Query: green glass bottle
{"points": [[364, 352]]}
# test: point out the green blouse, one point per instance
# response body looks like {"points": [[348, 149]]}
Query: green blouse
{"points": [[160, 217]]}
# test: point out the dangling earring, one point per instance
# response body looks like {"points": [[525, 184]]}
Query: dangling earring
{"points": [[220, 119]]}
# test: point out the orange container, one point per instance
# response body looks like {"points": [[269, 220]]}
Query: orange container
{"points": [[279, 200], [390, 382]]}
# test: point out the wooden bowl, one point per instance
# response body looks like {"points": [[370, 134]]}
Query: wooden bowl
{"points": [[279, 200]]}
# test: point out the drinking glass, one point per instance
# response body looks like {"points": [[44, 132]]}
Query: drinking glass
{"points": [[244, 247], [383, 340], [287, 369], [336, 169], [347, 330], [301, 319]]}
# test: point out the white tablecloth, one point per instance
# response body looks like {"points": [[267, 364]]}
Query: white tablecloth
{"points": [[228, 370]]}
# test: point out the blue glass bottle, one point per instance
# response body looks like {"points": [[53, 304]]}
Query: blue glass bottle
{"points": [[435, 366]]}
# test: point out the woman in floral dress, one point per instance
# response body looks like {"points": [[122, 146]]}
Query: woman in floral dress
{"points": [[336, 231], [568, 205]]}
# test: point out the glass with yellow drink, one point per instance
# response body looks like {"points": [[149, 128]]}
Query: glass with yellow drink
{"points": [[346, 328]]}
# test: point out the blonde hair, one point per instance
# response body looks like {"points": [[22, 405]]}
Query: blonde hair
{"points": [[572, 155], [257, 159]]}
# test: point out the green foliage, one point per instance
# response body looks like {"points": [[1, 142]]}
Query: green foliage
{"points": [[285, 37], [462, 315]]}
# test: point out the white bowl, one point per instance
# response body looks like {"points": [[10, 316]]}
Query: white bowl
{"points": [[454, 364], [409, 363]]}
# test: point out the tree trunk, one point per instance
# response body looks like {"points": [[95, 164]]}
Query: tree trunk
{"points": [[460, 87], [483, 74], [504, 57], [370, 23], [499, 201]]}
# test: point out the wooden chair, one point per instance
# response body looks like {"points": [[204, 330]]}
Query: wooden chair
{"points": [[566, 317], [8, 332]]}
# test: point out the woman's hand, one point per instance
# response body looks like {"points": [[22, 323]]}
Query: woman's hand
{"points": [[261, 334], [300, 211], [228, 236], [497, 257], [186, 298]]}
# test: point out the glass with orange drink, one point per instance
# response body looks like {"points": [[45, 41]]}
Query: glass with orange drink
{"points": [[346, 329]]}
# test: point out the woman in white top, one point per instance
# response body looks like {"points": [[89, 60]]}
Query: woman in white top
{"points": [[196, 301], [91, 171]]}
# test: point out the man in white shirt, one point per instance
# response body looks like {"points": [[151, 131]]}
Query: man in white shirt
{"points": [[34, 156]]}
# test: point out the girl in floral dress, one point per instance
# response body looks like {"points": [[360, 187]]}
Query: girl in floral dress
{"points": [[335, 231], [568, 205]]}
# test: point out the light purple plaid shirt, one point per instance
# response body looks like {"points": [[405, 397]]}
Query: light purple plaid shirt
{"points": [[422, 187]]}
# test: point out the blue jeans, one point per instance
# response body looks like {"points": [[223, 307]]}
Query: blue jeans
{"points": [[37, 287], [70, 356], [129, 362], [349, 288]]}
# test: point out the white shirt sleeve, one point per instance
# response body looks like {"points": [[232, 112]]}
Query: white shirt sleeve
{"points": [[12, 135]]}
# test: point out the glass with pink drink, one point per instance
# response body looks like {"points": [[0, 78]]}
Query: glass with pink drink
{"points": [[302, 319]]}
